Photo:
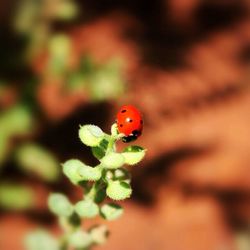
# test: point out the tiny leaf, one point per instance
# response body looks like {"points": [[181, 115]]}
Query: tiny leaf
{"points": [[86, 208], [113, 160], [88, 173], [121, 174], [111, 211], [118, 190], [80, 239], [60, 205], [114, 130], [133, 154], [91, 135], [99, 234]]}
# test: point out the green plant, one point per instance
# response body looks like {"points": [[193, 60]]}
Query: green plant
{"points": [[51, 72], [108, 179]]}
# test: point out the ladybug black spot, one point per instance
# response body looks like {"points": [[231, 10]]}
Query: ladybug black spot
{"points": [[141, 121], [129, 138], [135, 132], [121, 125], [130, 120], [123, 111]]}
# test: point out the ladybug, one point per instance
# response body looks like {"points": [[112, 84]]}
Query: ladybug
{"points": [[129, 122]]}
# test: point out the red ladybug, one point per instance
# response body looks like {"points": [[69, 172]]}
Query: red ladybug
{"points": [[129, 122]]}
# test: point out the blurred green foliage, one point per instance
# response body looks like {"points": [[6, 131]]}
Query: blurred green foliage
{"points": [[16, 197], [34, 159], [34, 19], [14, 122], [44, 59], [46, 241], [101, 82]]}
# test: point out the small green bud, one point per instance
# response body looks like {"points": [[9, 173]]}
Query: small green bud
{"points": [[99, 234], [121, 174], [114, 130], [113, 160], [80, 239], [118, 190], [86, 208], [133, 154], [109, 175], [60, 205], [91, 135], [111, 211]]}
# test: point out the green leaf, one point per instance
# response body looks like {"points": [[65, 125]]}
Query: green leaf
{"points": [[77, 171], [100, 150], [16, 197], [118, 190], [39, 240], [133, 154], [111, 211], [91, 135], [80, 239], [60, 205], [113, 160], [16, 121], [34, 159], [87, 208], [100, 196], [88, 173], [99, 234], [70, 169]]}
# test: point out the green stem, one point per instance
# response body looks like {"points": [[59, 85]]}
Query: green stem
{"points": [[63, 243], [96, 187], [111, 143], [92, 192]]}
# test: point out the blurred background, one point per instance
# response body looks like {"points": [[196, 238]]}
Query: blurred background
{"points": [[184, 63]]}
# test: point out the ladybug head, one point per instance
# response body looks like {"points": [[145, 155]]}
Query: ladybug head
{"points": [[132, 137]]}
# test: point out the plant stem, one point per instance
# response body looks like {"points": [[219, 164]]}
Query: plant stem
{"points": [[111, 143]]}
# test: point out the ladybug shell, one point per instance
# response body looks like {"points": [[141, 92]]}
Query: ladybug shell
{"points": [[129, 122]]}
